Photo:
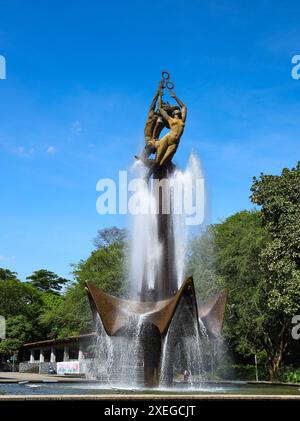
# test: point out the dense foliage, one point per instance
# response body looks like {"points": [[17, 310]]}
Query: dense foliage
{"points": [[37, 310], [254, 254], [21, 305], [279, 198], [46, 281]]}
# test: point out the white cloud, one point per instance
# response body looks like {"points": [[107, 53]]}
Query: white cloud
{"points": [[76, 127], [22, 151], [6, 258], [51, 150]]}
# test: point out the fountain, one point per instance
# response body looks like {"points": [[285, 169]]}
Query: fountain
{"points": [[160, 330]]}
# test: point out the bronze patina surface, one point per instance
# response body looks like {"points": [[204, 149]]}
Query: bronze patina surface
{"points": [[116, 313]]}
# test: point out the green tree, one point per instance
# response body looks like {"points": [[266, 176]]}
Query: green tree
{"points": [[18, 330], [21, 305], [109, 236], [238, 244], [46, 281], [6, 274], [279, 198], [19, 298], [50, 318], [201, 264], [105, 267]]}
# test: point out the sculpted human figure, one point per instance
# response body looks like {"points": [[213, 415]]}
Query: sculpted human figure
{"points": [[151, 119], [155, 123], [166, 147]]}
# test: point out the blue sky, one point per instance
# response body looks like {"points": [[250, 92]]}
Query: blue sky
{"points": [[80, 76]]}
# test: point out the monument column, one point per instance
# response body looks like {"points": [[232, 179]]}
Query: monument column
{"points": [[66, 353], [80, 352], [53, 355]]}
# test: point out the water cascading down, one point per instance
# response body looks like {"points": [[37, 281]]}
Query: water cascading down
{"points": [[162, 326]]}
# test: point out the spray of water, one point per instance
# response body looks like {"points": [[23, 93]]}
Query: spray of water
{"points": [[146, 249], [120, 359], [101, 366], [183, 183], [183, 348]]}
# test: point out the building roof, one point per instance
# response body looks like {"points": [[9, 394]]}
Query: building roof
{"points": [[58, 341]]}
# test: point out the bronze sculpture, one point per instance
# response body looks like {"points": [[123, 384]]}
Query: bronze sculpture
{"points": [[165, 303], [172, 117], [167, 146]]}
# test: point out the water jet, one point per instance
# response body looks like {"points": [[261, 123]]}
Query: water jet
{"points": [[162, 321]]}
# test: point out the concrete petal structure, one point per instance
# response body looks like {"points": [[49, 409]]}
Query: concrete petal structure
{"points": [[212, 313], [117, 315]]}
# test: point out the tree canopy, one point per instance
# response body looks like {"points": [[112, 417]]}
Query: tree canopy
{"points": [[24, 305], [46, 281], [105, 267], [21, 305], [279, 198], [201, 263], [256, 255], [6, 274]]}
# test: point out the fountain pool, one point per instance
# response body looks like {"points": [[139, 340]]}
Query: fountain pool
{"points": [[181, 390]]}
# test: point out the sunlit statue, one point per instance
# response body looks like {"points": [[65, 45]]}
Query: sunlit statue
{"points": [[167, 146], [171, 117]]}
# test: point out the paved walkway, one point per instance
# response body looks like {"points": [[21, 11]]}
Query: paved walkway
{"points": [[8, 377]]}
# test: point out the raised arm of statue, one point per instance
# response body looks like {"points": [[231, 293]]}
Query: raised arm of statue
{"points": [[160, 95], [163, 113], [181, 104], [154, 101]]}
